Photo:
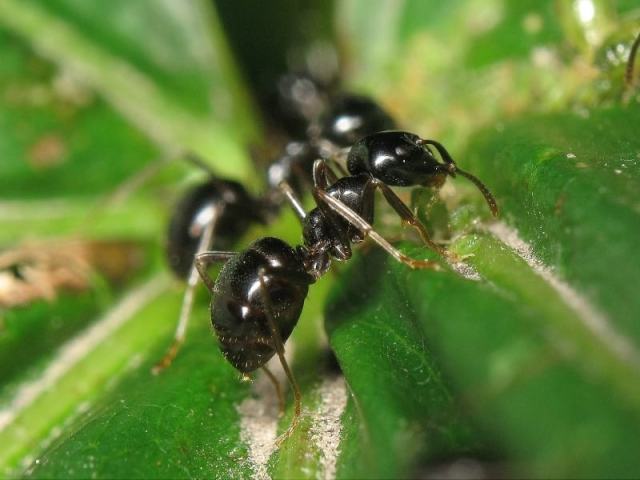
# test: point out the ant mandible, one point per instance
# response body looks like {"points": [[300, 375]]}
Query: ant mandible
{"points": [[259, 293]]}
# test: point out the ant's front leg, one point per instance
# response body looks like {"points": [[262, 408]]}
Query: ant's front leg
{"points": [[339, 208], [408, 217]]}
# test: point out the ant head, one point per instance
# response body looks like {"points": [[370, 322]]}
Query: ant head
{"points": [[398, 159], [351, 117], [403, 159]]}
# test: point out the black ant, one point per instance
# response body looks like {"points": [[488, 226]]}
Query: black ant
{"points": [[216, 213], [212, 214], [259, 294]]}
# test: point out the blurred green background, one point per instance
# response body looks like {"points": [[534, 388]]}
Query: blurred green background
{"points": [[524, 362]]}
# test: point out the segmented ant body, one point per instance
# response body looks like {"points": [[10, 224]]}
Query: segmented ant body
{"points": [[217, 212], [259, 294], [349, 118]]}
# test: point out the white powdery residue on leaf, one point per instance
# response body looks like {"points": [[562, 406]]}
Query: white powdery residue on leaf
{"points": [[590, 316], [465, 270], [259, 418], [80, 346], [327, 427]]}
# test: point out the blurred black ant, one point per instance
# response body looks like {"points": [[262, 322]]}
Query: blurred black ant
{"points": [[216, 213], [211, 214], [259, 294]]}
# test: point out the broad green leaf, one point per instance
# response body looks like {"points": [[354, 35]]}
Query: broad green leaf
{"points": [[568, 184], [538, 347], [66, 35], [66, 147], [523, 360], [513, 349]]}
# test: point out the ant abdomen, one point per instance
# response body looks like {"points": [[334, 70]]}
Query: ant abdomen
{"points": [[258, 292], [226, 204], [351, 117]]}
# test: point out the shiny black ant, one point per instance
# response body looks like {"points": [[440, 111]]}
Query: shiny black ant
{"points": [[211, 214], [259, 294], [217, 212]]}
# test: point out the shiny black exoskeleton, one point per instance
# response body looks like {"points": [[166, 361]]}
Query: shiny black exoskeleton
{"points": [[240, 307], [225, 203], [263, 288], [258, 296], [351, 117], [404, 159], [298, 101], [213, 214], [216, 214]]}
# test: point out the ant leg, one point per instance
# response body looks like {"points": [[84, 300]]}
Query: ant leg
{"points": [[204, 259], [408, 217], [187, 303], [323, 175], [276, 386], [279, 345], [293, 200], [357, 221], [334, 154], [197, 162]]}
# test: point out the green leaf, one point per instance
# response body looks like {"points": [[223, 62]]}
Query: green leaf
{"points": [[568, 184], [152, 106], [521, 361]]}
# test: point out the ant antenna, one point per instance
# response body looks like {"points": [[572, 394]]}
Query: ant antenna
{"points": [[488, 196], [628, 75], [452, 168]]}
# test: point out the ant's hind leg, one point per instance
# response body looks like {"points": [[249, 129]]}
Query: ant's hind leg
{"points": [[140, 178], [357, 221], [279, 345], [277, 388], [408, 217]]}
